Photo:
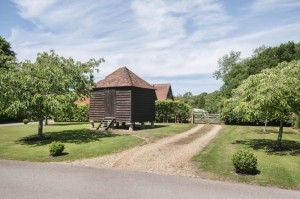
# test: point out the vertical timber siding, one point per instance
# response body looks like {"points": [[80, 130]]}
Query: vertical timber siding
{"points": [[110, 102], [97, 106], [128, 104], [143, 105], [123, 105]]}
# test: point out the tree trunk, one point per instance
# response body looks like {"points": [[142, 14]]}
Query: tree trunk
{"points": [[46, 120], [266, 123], [279, 138], [40, 129]]}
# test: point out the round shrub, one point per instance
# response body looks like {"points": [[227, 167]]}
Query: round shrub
{"points": [[244, 162], [56, 148], [26, 121]]}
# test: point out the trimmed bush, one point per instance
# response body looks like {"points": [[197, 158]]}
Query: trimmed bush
{"points": [[244, 162], [56, 148], [169, 110], [26, 121], [72, 113]]}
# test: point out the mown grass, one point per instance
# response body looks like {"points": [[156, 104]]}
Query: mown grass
{"points": [[206, 128], [162, 130], [276, 168], [80, 142], [16, 142]]}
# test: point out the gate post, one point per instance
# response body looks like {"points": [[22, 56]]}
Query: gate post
{"points": [[193, 118]]}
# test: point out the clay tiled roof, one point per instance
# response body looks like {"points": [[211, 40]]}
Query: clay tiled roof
{"points": [[123, 77], [163, 91], [83, 101]]}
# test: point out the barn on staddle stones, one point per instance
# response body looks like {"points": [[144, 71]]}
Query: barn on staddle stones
{"points": [[124, 96]]}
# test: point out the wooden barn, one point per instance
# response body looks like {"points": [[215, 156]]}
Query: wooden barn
{"points": [[124, 97]]}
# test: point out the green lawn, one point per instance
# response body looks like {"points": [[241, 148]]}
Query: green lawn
{"points": [[280, 169], [80, 142], [162, 130]]}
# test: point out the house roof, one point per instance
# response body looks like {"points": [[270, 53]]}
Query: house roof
{"points": [[123, 77], [163, 91], [83, 101]]}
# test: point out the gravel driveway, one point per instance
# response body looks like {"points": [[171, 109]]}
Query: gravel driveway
{"points": [[163, 156]]}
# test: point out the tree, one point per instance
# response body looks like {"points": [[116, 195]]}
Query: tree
{"points": [[199, 100], [44, 86], [7, 63], [274, 92], [213, 102], [263, 57], [226, 63], [6, 53]]}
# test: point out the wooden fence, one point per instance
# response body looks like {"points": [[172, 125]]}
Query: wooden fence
{"points": [[206, 119]]}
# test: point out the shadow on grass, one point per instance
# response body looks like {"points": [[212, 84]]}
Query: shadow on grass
{"points": [[274, 131], [289, 147], [62, 154], [157, 126], [66, 124], [253, 173], [78, 136], [147, 127]]}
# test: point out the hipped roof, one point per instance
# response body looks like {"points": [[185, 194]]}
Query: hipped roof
{"points": [[123, 77]]}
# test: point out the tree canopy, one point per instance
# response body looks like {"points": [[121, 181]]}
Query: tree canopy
{"points": [[274, 92], [7, 63], [233, 70], [50, 82], [6, 53]]}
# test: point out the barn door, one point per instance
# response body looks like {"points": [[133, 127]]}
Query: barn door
{"points": [[110, 103]]}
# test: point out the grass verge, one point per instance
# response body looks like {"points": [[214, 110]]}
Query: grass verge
{"points": [[280, 169]]}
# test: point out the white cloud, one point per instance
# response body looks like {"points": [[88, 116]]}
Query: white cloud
{"points": [[152, 37], [30, 9]]}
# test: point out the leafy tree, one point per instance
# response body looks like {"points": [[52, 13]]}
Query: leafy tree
{"points": [[274, 92], [199, 100], [185, 98], [263, 57], [6, 53], [7, 63], [213, 102], [50, 82], [226, 63]]}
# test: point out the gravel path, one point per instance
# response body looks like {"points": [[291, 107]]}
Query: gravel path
{"points": [[163, 156]]}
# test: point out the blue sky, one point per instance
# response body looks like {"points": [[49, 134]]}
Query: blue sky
{"points": [[162, 41]]}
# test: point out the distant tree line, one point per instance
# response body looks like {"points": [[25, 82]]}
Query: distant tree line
{"points": [[211, 102]]}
